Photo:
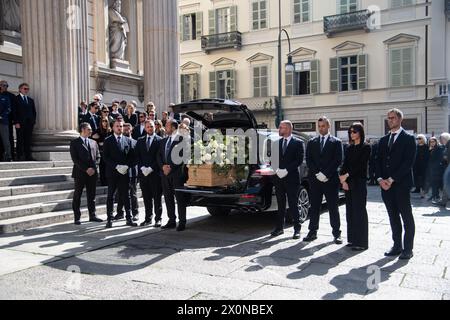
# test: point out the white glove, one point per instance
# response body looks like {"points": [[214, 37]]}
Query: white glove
{"points": [[282, 173], [146, 171], [321, 177], [122, 169]]}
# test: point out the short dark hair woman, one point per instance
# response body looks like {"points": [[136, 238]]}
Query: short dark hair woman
{"points": [[353, 178]]}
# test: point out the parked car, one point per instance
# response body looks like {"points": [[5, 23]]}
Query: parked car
{"points": [[256, 193]]}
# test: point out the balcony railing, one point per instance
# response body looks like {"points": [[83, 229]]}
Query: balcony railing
{"points": [[357, 20], [222, 41]]}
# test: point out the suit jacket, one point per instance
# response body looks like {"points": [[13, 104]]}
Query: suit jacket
{"points": [[398, 162], [82, 159], [137, 132], [148, 158], [292, 159], [177, 169], [328, 161], [23, 111], [93, 120], [115, 154]]}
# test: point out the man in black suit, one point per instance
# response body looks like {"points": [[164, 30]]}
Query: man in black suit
{"points": [[84, 153], [395, 161], [173, 175], [13, 100], [92, 118], [147, 149], [139, 129], [119, 157], [82, 112], [324, 155], [287, 180], [24, 119]]}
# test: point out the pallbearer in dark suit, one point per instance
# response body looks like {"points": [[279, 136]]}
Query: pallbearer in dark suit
{"points": [[118, 154], [353, 179], [84, 153], [139, 130], [147, 149], [92, 118], [287, 180], [396, 156], [24, 119], [173, 175], [324, 157]]}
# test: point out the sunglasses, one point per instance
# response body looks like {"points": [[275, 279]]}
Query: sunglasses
{"points": [[354, 131]]}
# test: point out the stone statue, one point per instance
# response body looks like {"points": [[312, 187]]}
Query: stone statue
{"points": [[118, 29], [10, 11]]}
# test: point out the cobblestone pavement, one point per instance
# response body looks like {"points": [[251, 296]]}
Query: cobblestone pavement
{"points": [[231, 258]]}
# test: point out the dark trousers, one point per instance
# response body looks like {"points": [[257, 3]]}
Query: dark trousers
{"points": [[398, 204], [24, 139], [119, 184], [169, 184], [91, 188], [132, 198], [331, 191], [372, 173], [152, 193], [102, 169], [356, 212], [283, 190]]}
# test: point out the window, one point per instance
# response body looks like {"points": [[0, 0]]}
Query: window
{"points": [[189, 87], [347, 6], [410, 125], [222, 84], [222, 20], [301, 11], [259, 14], [401, 67], [308, 128], [191, 26], [348, 73], [401, 3], [260, 81], [302, 78]]}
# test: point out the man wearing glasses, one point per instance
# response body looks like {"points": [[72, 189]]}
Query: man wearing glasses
{"points": [[5, 115], [139, 129], [25, 119]]}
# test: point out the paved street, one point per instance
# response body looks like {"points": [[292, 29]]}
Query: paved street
{"points": [[230, 258]]}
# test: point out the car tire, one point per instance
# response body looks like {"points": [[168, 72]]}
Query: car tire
{"points": [[304, 204], [218, 212]]}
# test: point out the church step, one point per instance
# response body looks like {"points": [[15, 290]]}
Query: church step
{"points": [[42, 197], [35, 188], [15, 173], [34, 165], [39, 208], [49, 218], [38, 179]]}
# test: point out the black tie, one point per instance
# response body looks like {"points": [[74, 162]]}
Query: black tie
{"points": [[391, 141], [169, 144], [118, 143], [149, 143], [25, 99], [322, 144], [285, 144]]}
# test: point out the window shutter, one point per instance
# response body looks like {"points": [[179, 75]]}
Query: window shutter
{"points": [[199, 24], [289, 83], [212, 22], [232, 84], [315, 76], [181, 28], [183, 87], [396, 3], [407, 66], [196, 86], [334, 75], [395, 67], [212, 85], [362, 71], [233, 18]]}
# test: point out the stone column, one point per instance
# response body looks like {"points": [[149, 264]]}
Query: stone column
{"points": [[161, 52], [55, 64]]}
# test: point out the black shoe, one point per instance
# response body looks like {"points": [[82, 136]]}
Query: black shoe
{"points": [[146, 224], [415, 191], [169, 226], [349, 245], [157, 224], [181, 227], [276, 233], [406, 255], [393, 252], [136, 218], [77, 223], [109, 225], [310, 237], [131, 224], [296, 235], [338, 240], [95, 219], [356, 248], [119, 216]]}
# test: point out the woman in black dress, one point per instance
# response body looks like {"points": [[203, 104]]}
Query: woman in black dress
{"points": [[420, 166], [131, 116], [353, 179], [436, 168]]}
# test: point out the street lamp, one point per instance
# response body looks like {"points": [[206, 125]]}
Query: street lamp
{"points": [[289, 68]]}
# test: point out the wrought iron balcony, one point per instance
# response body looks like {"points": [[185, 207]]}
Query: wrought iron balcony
{"points": [[357, 20], [222, 41]]}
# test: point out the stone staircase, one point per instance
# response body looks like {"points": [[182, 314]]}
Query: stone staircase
{"points": [[34, 194]]}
